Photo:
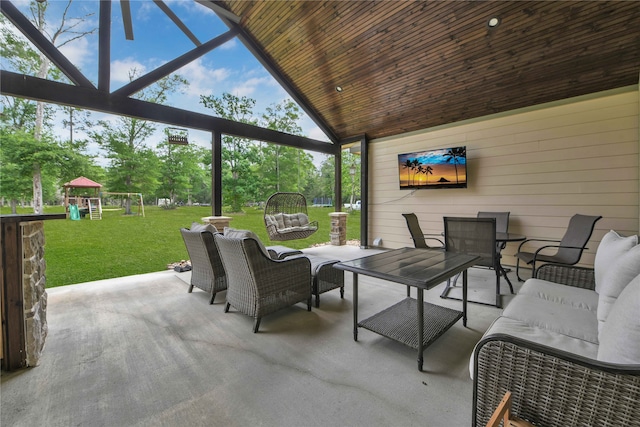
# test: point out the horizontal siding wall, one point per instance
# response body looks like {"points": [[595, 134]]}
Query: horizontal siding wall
{"points": [[543, 165]]}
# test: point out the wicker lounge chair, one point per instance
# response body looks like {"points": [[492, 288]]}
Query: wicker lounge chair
{"points": [[553, 386], [286, 218], [569, 248], [259, 285], [206, 267]]}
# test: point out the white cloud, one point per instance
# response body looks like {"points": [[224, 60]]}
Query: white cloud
{"points": [[250, 86], [203, 80], [78, 52], [120, 69]]}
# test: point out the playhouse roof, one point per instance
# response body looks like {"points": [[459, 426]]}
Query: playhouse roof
{"points": [[82, 182]]}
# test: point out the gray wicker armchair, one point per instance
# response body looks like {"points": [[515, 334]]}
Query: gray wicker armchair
{"points": [[259, 285], [207, 272], [550, 387]]}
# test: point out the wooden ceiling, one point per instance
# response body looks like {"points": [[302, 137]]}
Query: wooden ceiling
{"points": [[409, 65]]}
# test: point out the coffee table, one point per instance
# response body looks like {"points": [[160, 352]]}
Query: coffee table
{"points": [[423, 269]]}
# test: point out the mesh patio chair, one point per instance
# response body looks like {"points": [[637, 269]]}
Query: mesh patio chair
{"points": [[207, 272], [569, 248], [286, 218], [502, 224], [259, 285], [473, 236], [418, 237]]}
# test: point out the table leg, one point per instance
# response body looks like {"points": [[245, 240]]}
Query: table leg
{"points": [[504, 274], [355, 306], [464, 298], [420, 301]]}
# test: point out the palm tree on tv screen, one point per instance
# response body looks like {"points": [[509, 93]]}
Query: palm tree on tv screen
{"points": [[426, 171], [454, 155]]}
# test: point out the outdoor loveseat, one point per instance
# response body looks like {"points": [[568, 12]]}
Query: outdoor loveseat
{"points": [[568, 345]]}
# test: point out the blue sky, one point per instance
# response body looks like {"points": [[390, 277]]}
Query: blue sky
{"points": [[157, 40]]}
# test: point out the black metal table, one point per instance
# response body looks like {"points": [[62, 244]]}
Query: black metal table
{"points": [[405, 321], [505, 238]]}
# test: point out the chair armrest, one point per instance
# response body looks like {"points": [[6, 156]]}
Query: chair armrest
{"points": [[288, 274], [579, 277], [432, 237], [552, 388], [556, 246], [524, 242]]}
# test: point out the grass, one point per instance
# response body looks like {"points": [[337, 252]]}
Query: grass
{"points": [[122, 245]]}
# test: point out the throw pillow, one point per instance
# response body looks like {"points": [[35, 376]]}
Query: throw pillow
{"points": [[242, 234], [618, 276], [620, 335], [196, 226], [611, 247]]}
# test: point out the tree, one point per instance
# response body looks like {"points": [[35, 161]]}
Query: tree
{"points": [[19, 151], [237, 153], [134, 166], [284, 168], [180, 169], [23, 58]]}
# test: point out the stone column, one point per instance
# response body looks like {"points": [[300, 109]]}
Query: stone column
{"points": [[338, 232], [219, 222], [33, 286]]}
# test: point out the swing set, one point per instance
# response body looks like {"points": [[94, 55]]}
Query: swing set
{"points": [[137, 196]]}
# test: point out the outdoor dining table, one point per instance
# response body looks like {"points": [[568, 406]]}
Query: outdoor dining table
{"points": [[407, 320]]}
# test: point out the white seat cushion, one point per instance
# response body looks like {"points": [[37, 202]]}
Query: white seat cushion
{"points": [[620, 334], [565, 319], [520, 329], [611, 247], [623, 270], [561, 294]]}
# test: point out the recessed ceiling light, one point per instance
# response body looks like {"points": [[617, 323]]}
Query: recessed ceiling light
{"points": [[493, 22], [338, 88]]}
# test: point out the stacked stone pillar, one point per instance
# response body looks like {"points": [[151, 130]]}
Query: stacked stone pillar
{"points": [[33, 286], [338, 232], [219, 222]]}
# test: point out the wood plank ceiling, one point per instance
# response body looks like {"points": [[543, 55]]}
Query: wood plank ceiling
{"points": [[409, 65]]}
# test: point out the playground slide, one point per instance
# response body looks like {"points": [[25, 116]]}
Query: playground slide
{"points": [[74, 214]]}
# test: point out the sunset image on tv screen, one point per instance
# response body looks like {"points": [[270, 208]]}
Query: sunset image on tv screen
{"points": [[442, 168]]}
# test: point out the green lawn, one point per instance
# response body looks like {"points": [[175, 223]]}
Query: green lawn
{"points": [[119, 245]]}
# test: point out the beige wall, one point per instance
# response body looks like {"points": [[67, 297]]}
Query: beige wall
{"points": [[542, 164]]}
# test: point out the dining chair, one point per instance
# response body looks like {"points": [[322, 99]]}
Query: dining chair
{"points": [[502, 223], [568, 250], [473, 236], [418, 237]]}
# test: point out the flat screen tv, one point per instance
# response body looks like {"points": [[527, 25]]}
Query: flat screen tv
{"points": [[441, 168]]}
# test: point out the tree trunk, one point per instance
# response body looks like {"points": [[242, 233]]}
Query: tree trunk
{"points": [[37, 190], [14, 206], [37, 133]]}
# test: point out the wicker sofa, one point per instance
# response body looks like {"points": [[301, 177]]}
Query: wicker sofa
{"points": [[568, 345]]}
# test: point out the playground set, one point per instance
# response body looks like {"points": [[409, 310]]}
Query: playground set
{"points": [[79, 206]]}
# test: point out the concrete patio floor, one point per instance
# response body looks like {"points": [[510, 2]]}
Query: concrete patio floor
{"points": [[141, 351]]}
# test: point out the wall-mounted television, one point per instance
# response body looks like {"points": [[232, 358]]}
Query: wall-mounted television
{"points": [[441, 168]]}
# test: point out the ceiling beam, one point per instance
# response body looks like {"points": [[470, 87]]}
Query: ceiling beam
{"points": [[177, 21], [175, 64], [104, 47], [23, 86], [125, 6], [44, 45]]}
